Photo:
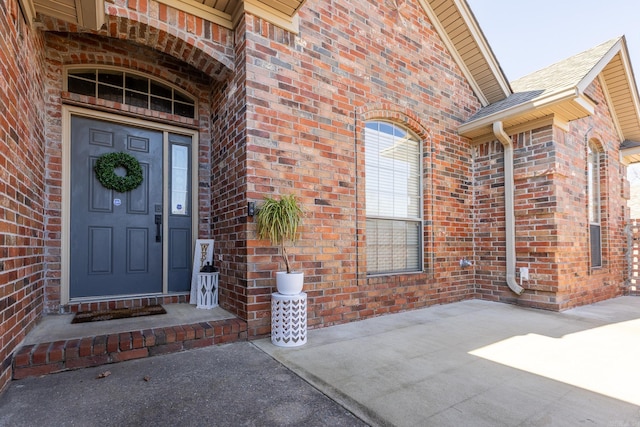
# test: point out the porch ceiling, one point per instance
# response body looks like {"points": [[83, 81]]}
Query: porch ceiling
{"points": [[90, 13]]}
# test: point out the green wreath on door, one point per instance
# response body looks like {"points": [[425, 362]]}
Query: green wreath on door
{"points": [[105, 172]]}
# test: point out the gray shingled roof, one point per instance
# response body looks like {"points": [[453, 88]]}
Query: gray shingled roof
{"points": [[627, 143], [559, 77]]}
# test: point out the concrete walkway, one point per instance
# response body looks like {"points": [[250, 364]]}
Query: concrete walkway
{"points": [[478, 363], [472, 363]]}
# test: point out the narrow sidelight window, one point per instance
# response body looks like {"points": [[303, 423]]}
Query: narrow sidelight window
{"points": [[180, 176], [595, 235]]}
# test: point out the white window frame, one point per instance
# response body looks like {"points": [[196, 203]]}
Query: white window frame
{"points": [[393, 252]]}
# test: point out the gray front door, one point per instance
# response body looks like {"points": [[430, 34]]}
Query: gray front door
{"points": [[116, 238]]}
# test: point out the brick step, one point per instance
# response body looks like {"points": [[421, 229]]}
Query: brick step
{"points": [[49, 357]]}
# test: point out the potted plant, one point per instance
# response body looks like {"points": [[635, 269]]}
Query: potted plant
{"points": [[278, 221]]}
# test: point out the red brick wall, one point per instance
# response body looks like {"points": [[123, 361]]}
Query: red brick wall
{"points": [[307, 99], [229, 182], [578, 283], [21, 181], [535, 219], [552, 228]]}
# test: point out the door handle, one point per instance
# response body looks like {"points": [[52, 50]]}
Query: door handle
{"points": [[158, 221]]}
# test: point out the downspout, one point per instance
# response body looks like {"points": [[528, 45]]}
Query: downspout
{"points": [[509, 214]]}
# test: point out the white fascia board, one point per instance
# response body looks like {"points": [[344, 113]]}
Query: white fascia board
{"points": [[631, 81], [520, 109], [633, 87], [633, 151], [597, 69]]}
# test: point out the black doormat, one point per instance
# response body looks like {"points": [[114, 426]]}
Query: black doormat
{"points": [[117, 313]]}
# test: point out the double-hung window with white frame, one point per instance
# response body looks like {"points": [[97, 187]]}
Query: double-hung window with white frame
{"points": [[393, 175]]}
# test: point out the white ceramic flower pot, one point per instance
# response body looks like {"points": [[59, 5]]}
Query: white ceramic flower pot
{"points": [[289, 283]]}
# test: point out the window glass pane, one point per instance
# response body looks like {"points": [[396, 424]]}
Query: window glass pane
{"points": [[84, 74], [161, 104], [184, 110], [385, 128], [596, 245], [179, 179], [181, 98], [385, 245], [137, 99], [392, 170], [82, 87], [137, 83], [160, 90], [393, 246], [110, 93], [372, 246], [114, 78]]}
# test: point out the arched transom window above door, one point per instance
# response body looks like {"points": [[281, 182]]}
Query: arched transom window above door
{"points": [[130, 88]]}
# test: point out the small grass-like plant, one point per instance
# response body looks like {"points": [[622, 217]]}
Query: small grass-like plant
{"points": [[278, 221]]}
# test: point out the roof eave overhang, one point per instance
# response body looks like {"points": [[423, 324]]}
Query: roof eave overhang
{"points": [[90, 14], [563, 107], [630, 155], [87, 14], [264, 10], [621, 92], [615, 74], [485, 75]]}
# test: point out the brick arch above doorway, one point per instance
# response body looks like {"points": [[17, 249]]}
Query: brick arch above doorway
{"points": [[204, 45], [82, 50]]}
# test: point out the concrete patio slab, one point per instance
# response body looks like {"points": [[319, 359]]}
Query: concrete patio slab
{"points": [[478, 363]]}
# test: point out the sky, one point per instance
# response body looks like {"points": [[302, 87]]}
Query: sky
{"points": [[527, 35]]}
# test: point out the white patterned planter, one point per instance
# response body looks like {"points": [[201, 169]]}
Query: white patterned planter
{"points": [[207, 292], [288, 319]]}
